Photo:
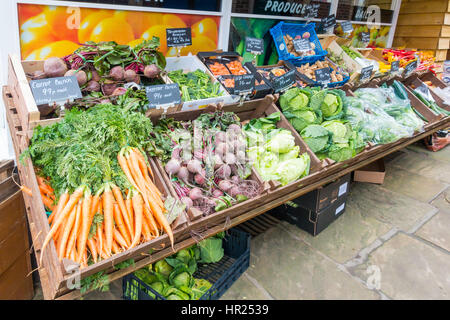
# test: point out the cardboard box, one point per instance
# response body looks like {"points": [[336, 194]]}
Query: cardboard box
{"points": [[309, 220], [372, 173], [324, 196]]}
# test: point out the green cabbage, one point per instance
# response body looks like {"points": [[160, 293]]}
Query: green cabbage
{"points": [[294, 99], [282, 142], [293, 169], [292, 154], [317, 137], [340, 130]]}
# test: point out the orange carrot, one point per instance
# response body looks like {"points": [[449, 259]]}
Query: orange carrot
{"points": [[45, 189], [151, 221], [26, 190], [61, 203], [100, 230], [143, 164], [120, 225], [108, 211], [86, 225], [94, 205], [126, 216], [146, 232], [124, 165], [138, 207], [71, 243], [115, 247], [92, 248], [61, 217], [47, 202], [66, 232], [129, 207], [119, 239]]}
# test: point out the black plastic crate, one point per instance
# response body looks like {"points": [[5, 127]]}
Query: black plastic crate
{"points": [[222, 274]]}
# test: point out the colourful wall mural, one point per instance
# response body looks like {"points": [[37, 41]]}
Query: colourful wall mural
{"points": [[47, 31]]}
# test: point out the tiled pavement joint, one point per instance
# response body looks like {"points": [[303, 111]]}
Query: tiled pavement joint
{"points": [[427, 242], [259, 286]]}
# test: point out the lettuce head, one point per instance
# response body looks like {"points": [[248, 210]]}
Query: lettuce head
{"points": [[281, 142], [293, 169]]}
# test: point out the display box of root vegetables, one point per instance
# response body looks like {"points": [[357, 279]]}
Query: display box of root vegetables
{"points": [[226, 65], [103, 72], [197, 84], [338, 77]]}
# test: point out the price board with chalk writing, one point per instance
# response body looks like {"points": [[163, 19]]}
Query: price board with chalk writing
{"points": [[284, 81], [244, 83], [254, 45], [163, 95], [179, 37], [347, 26], [54, 90]]}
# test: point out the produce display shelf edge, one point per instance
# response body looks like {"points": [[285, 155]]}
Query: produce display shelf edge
{"points": [[49, 278]]}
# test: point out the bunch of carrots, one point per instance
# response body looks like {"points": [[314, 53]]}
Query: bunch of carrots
{"points": [[84, 225]]}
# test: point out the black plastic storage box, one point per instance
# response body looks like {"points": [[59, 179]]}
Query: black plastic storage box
{"points": [[324, 196], [222, 274], [309, 220]]}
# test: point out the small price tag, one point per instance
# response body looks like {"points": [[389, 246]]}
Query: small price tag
{"points": [[254, 45], [302, 45], [284, 81], [244, 83], [328, 22], [339, 209], [410, 67], [60, 89], [347, 26], [179, 37], [364, 37], [323, 75], [366, 73], [163, 95], [395, 66]]}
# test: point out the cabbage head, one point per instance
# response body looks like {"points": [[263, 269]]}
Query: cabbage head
{"points": [[293, 169], [281, 142], [341, 131], [317, 137]]}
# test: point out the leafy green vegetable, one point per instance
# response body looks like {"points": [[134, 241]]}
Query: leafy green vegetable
{"points": [[317, 137], [195, 85], [210, 250], [162, 267], [293, 169]]}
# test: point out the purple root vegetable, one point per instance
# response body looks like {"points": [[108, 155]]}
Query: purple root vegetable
{"points": [[220, 137], [176, 153], [108, 88], [198, 154], [151, 71], [234, 191], [199, 179], [137, 79], [221, 148], [119, 91], [194, 166], [129, 75], [117, 73], [195, 194], [224, 172], [230, 158], [217, 161], [235, 179], [93, 86], [217, 193], [225, 185], [188, 202], [173, 167], [234, 128], [81, 76], [55, 67], [183, 174], [95, 76]]}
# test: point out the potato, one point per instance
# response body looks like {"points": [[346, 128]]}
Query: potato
{"points": [[55, 67]]}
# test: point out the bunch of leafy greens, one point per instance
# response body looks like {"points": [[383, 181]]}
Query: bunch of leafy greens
{"points": [[82, 148], [317, 114], [273, 152], [105, 55], [173, 277], [195, 85]]}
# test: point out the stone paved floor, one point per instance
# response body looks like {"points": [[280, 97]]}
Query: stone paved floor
{"points": [[393, 242]]}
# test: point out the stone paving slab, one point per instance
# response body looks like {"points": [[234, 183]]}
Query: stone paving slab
{"points": [[437, 231], [423, 163], [387, 206], [443, 201], [441, 155], [412, 184], [290, 269], [244, 289], [409, 269], [346, 236]]}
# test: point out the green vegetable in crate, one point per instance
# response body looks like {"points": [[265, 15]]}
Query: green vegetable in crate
{"points": [[210, 250], [180, 276], [162, 267], [195, 85], [302, 119], [317, 137], [332, 106]]}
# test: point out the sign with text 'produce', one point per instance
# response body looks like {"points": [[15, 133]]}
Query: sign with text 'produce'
{"points": [[163, 95], [60, 89], [179, 37], [254, 45], [284, 81], [244, 83]]}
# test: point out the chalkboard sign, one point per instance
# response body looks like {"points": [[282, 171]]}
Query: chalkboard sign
{"points": [[410, 67], [284, 81], [179, 37], [302, 45], [366, 73], [365, 37], [323, 75], [347, 26], [244, 83], [163, 95], [254, 45], [60, 89], [328, 22], [395, 66]]}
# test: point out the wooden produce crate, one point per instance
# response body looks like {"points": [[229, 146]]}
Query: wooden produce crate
{"points": [[252, 110]]}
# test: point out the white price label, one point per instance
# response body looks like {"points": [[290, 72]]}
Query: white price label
{"points": [[339, 209], [342, 189]]}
